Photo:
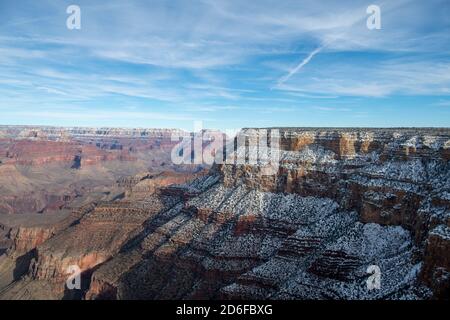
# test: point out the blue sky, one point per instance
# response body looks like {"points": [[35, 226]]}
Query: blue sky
{"points": [[229, 64]]}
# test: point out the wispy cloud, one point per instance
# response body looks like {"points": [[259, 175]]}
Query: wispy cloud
{"points": [[219, 58], [382, 79]]}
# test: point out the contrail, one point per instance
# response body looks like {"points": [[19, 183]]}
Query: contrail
{"points": [[301, 65]]}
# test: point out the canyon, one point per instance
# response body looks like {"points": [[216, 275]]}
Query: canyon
{"points": [[138, 227]]}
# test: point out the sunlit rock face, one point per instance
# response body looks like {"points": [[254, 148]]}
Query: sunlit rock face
{"points": [[341, 202]]}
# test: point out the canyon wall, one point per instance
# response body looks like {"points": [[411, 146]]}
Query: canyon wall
{"points": [[341, 202], [46, 169]]}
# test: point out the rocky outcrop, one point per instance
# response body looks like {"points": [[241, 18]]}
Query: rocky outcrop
{"points": [[22, 238], [390, 177], [242, 243], [87, 238], [140, 186], [27, 238], [436, 268]]}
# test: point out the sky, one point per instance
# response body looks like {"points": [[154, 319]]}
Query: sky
{"points": [[226, 64]]}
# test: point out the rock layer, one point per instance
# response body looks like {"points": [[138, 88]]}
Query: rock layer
{"points": [[46, 169], [342, 202]]}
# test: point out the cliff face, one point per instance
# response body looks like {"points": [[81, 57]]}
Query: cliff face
{"points": [[45, 169], [40, 257], [25, 145], [341, 202], [389, 177]]}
